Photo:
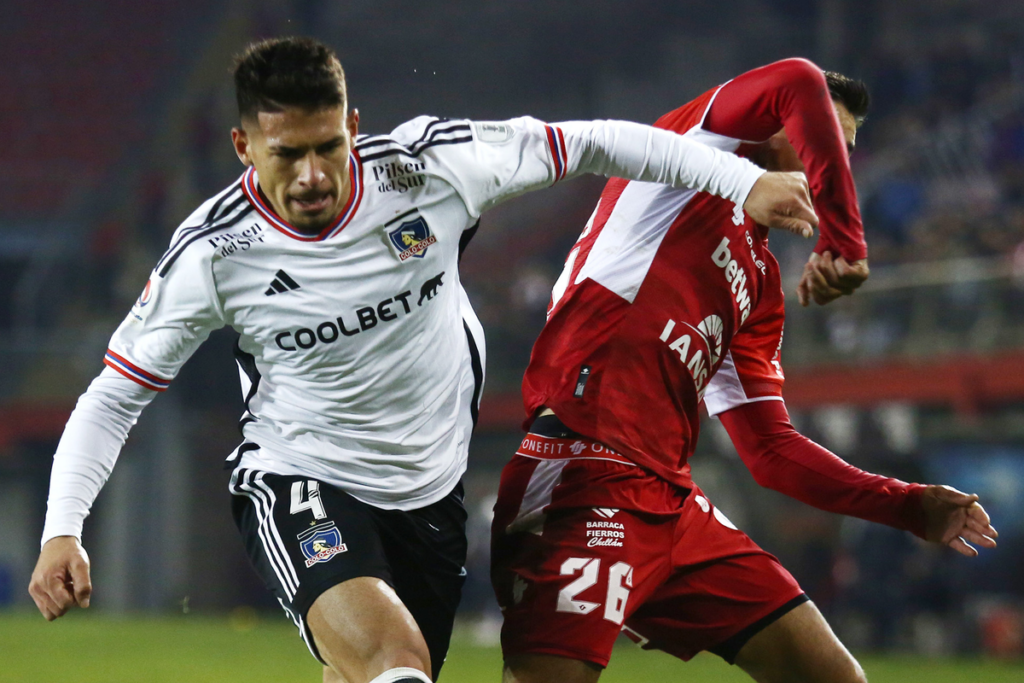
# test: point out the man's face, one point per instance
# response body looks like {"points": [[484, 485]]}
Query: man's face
{"points": [[777, 154], [301, 157]]}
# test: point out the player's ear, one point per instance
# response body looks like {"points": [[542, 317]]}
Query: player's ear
{"points": [[352, 123], [240, 139]]}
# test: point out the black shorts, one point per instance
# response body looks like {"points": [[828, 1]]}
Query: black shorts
{"points": [[304, 536]]}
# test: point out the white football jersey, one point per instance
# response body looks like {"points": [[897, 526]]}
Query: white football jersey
{"points": [[362, 359]]}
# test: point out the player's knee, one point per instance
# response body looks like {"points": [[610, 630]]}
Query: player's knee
{"points": [[841, 668], [387, 658]]}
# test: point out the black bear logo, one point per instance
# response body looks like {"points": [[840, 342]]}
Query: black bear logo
{"points": [[429, 288]]}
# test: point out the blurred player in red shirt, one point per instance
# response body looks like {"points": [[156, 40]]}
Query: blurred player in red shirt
{"points": [[670, 298]]}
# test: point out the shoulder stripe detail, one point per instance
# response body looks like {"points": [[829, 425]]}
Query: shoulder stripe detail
{"points": [[429, 134], [430, 137], [375, 140], [216, 205], [212, 217], [369, 140], [135, 373], [162, 270], [222, 215], [556, 141], [418, 151]]}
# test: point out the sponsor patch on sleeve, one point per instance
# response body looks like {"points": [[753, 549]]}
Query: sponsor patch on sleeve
{"points": [[493, 132]]}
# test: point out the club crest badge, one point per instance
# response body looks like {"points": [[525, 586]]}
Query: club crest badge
{"points": [[411, 239], [321, 543]]}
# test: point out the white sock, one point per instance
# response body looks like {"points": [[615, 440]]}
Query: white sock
{"points": [[402, 674]]}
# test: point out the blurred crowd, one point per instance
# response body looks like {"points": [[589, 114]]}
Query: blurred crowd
{"points": [[947, 130]]}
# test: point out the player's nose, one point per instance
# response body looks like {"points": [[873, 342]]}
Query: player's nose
{"points": [[311, 171]]}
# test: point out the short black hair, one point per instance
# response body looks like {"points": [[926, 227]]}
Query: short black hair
{"points": [[278, 72], [852, 93]]}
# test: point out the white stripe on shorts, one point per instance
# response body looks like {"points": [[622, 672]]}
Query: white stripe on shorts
{"points": [[264, 511], [273, 527], [537, 496]]}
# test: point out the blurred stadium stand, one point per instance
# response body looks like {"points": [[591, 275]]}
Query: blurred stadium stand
{"points": [[119, 128]]}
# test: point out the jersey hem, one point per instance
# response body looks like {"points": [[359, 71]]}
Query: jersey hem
{"points": [[406, 504]]}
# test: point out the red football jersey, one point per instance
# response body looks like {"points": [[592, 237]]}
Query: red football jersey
{"points": [[670, 296]]}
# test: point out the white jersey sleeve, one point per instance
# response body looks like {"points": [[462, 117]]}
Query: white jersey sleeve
{"points": [[177, 310], [88, 449], [508, 158]]}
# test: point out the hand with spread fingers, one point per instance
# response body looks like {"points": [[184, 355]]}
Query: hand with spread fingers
{"points": [[782, 200], [61, 580], [826, 278], [956, 519]]}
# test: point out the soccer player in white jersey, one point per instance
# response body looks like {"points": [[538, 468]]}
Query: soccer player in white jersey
{"points": [[335, 257]]}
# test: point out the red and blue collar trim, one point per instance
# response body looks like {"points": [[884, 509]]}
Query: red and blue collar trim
{"points": [[250, 185]]}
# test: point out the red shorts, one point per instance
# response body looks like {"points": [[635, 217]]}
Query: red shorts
{"points": [[586, 546]]}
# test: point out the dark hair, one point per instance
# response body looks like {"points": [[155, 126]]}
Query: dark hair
{"points": [[852, 93], [280, 72]]}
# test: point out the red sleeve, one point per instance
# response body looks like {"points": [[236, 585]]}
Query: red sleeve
{"points": [[782, 459], [793, 94]]}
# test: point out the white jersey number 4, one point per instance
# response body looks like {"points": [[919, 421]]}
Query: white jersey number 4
{"points": [[311, 503]]}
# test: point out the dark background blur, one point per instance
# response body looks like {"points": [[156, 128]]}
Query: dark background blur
{"points": [[114, 126]]}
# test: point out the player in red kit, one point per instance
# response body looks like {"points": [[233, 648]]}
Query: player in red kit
{"points": [[670, 298]]}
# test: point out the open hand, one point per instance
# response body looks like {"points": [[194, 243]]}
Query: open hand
{"points": [[61, 580], [825, 278], [783, 201], [953, 518]]}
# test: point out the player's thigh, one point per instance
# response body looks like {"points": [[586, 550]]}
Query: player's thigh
{"points": [[724, 589], [799, 646], [314, 545], [361, 629]]}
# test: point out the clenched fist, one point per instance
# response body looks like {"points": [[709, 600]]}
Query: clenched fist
{"points": [[61, 577], [825, 278]]}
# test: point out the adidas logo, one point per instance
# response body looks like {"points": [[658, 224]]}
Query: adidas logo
{"points": [[282, 283]]}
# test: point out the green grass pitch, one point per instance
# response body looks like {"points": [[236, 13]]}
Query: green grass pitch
{"points": [[249, 649]]}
